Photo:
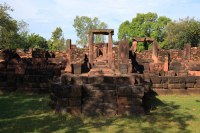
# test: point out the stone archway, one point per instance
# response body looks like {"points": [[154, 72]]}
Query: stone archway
{"points": [[91, 33], [147, 39]]}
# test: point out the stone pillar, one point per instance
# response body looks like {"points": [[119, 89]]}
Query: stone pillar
{"points": [[110, 50], [155, 51], [90, 45], [134, 46], [186, 52], [98, 52], [68, 56], [95, 52], [104, 52]]}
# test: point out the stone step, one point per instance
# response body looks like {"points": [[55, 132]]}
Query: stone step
{"points": [[100, 66], [107, 76], [100, 63]]}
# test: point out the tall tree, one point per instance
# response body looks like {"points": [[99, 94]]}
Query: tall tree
{"points": [[8, 28], [57, 40], [185, 30], [83, 23], [144, 25], [36, 41], [13, 33]]}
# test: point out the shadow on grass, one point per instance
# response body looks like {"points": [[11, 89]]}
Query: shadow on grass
{"points": [[30, 113]]}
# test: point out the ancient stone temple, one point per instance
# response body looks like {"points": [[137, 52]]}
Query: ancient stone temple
{"points": [[102, 79]]}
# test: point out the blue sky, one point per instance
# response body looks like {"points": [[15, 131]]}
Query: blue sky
{"points": [[43, 16]]}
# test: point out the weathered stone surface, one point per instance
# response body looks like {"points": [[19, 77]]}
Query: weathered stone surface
{"points": [[92, 100], [110, 99], [173, 79], [64, 102], [76, 91], [32, 78], [76, 68], [156, 80], [74, 102], [190, 79], [128, 101], [176, 86], [92, 109], [157, 85], [79, 80], [110, 109], [92, 93], [124, 90], [189, 85], [137, 91]]}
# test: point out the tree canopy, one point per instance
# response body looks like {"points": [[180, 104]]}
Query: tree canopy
{"points": [[57, 40], [180, 32], [83, 23], [8, 28], [144, 25]]}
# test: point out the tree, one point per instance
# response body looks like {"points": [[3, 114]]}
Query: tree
{"points": [[180, 32], [13, 33], [57, 40], [144, 25], [83, 23], [36, 41], [8, 28]]}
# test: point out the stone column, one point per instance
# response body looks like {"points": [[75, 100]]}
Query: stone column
{"points": [[90, 45], [134, 46], [155, 51], [186, 52], [95, 52], [104, 52], [68, 56], [110, 50]]}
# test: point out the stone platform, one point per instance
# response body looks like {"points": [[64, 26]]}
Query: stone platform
{"points": [[99, 94]]}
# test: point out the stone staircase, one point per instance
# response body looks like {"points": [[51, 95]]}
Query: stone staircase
{"points": [[102, 91]]}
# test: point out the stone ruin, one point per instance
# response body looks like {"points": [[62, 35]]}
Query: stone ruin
{"points": [[101, 79], [105, 80]]}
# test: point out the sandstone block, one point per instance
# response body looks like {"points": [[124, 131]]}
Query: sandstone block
{"points": [[74, 102], [124, 91]]}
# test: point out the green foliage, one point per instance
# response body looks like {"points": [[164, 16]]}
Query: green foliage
{"points": [[14, 34], [144, 25], [82, 24], [180, 32], [114, 42], [57, 41], [37, 41], [8, 28]]}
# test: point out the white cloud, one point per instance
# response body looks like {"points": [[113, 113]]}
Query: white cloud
{"points": [[45, 15]]}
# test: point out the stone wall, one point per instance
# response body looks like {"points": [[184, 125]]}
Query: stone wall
{"points": [[98, 95], [79, 55], [29, 74], [6, 54], [115, 56], [195, 53]]}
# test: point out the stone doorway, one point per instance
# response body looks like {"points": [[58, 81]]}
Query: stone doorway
{"points": [[106, 50]]}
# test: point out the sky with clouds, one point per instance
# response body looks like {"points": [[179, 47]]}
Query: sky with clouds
{"points": [[43, 16]]}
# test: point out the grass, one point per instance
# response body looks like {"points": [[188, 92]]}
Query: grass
{"points": [[21, 113]]}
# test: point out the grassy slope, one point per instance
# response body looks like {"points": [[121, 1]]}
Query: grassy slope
{"points": [[30, 113]]}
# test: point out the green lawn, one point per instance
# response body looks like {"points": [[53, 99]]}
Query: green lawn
{"points": [[30, 113]]}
